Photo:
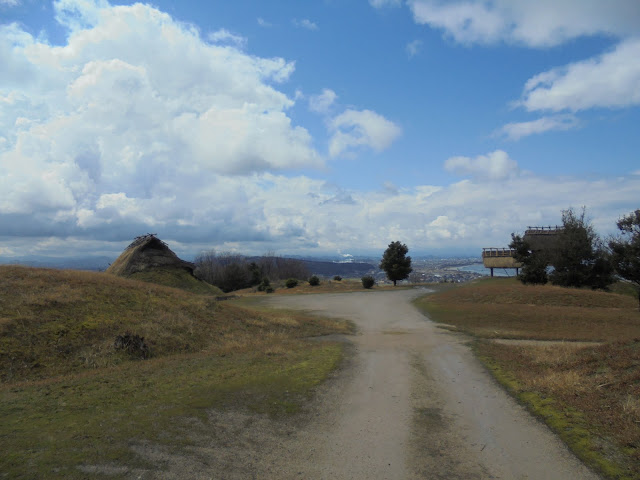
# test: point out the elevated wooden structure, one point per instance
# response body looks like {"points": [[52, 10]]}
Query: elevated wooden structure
{"points": [[493, 257], [542, 238]]}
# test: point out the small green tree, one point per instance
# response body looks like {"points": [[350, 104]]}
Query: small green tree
{"points": [[314, 281], [395, 262], [291, 283], [368, 281], [625, 250], [579, 258], [534, 264]]}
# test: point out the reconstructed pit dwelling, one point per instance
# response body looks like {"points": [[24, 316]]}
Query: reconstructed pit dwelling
{"points": [[145, 253]]}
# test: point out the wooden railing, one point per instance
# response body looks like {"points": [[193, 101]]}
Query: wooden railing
{"points": [[543, 230], [497, 252]]}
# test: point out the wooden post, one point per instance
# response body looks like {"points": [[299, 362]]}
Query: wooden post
{"points": [[491, 271]]}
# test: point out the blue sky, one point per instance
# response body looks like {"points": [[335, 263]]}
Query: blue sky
{"points": [[313, 127]]}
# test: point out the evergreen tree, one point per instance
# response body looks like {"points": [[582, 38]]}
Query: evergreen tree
{"points": [[625, 250], [579, 258], [395, 262], [534, 264]]}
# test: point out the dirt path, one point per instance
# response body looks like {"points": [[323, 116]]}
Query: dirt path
{"points": [[414, 403]]}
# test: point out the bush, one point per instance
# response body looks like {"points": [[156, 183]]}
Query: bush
{"points": [[314, 281], [264, 285], [337, 278], [269, 289], [132, 344], [291, 283], [368, 281]]}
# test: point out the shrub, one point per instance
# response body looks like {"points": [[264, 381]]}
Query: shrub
{"points": [[291, 283], [132, 344], [264, 285], [269, 289], [314, 281], [337, 278], [368, 281]]}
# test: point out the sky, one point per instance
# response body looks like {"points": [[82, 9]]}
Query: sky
{"points": [[313, 127]]}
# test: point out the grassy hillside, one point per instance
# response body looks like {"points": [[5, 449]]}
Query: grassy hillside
{"points": [[532, 338], [69, 398], [176, 278]]}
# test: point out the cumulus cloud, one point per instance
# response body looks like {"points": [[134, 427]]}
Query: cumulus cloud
{"points": [[611, 80], [322, 102], [354, 129], [96, 135], [305, 23], [9, 3], [496, 165], [516, 131], [263, 23], [99, 144], [413, 48], [537, 24]]}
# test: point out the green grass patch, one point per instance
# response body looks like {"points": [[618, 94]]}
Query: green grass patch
{"points": [[51, 427], [176, 278]]}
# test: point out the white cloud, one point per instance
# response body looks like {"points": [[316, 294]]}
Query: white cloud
{"points": [[413, 48], [516, 131], [538, 24], [322, 102], [496, 165], [385, 3], [100, 119], [9, 3], [353, 129], [305, 23], [611, 80], [263, 23], [225, 36], [99, 143]]}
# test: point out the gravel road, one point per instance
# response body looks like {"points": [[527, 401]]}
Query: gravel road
{"points": [[413, 403]]}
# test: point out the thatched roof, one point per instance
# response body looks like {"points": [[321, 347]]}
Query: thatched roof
{"points": [[145, 253]]}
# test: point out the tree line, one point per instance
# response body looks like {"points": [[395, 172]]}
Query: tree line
{"points": [[578, 257], [230, 271]]}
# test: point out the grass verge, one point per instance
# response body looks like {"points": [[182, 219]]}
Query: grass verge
{"points": [[588, 394]]}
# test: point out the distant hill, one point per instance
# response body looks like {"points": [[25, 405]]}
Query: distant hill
{"points": [[347, 270]]}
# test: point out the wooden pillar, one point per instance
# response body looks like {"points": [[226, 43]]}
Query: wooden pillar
{"points": [[491, 271]]}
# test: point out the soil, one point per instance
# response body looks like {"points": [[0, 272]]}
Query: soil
{"points": [[411, 402]]}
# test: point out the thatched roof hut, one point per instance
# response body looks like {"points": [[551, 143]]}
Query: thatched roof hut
{"points": [[145, 253]]}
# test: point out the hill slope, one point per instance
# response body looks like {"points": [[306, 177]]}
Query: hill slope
{"points": [[63, 321]]}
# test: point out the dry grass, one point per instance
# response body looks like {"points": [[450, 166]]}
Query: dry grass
{"points": [[507, 309], [590, 394], [55, 322], [68, 398]]}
